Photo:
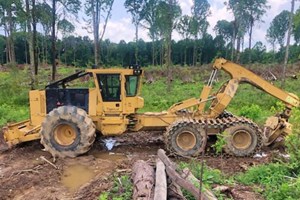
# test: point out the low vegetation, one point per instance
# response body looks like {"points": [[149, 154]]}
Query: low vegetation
{"points": [[121, 190]]}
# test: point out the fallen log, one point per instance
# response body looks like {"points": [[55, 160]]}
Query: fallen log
{"points": [[182, 180], [160, 191], [143, 180], [190, 177], [174, 191]]}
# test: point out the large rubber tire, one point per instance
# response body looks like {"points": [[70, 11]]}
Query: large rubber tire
{"points": [[185, 138], [242, 140], [67, 131]]}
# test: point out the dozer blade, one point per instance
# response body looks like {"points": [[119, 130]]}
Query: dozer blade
{"points": [[3, 145], [17, 133]]}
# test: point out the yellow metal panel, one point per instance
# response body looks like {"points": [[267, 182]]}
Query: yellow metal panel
{"points": [[112, 120], [37, 106], [111, 107], [21, 132], [204, 95], [112, 125], [132, 104], [184, 105], [92, 102], [111, 71], [146, 121], [116, 129]]}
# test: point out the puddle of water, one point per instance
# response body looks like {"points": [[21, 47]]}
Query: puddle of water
{"points": [[75, 176], [109, 156]]}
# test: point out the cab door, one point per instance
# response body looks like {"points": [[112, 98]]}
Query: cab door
{"points": [[110, 90]]}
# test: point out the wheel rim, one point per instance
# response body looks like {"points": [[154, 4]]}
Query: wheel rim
{"points": [[64, 134], [186, 140], [241, 139]]}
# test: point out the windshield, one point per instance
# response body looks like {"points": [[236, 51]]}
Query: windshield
{"points": [[131, 85]]}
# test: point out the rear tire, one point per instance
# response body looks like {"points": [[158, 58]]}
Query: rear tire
{"points": [[242, 140], [185, 138], [67, 131]]}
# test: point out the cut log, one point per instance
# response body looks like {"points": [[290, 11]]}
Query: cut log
{"points": [[143, 180], [174, 191], [182, 180], [274, 78], [160, 191], [187, 174]]}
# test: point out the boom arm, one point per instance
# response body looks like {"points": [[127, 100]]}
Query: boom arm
{"points": [[241, 74], [274, 126]]}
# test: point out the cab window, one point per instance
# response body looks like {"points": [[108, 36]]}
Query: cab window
{"points": [[131, 85], [110, 86]]}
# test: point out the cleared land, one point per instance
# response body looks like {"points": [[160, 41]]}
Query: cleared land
{"points": [[24, 173]]}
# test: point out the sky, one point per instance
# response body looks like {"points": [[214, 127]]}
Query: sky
{"points": [[120, 25]]}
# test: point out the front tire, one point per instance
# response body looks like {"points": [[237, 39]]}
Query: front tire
{"points": [[242, 140], [67, 131]]}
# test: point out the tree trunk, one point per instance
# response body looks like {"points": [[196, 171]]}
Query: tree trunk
{"points": [[7, 43], [238, 48], [162, 53], [195, 52], [185, 51], [153, 52], [11, 53], [46, 50], [53, 39], [96, 30], [25, 49], [74, 51], [104, 26], [34, 41], [143, 180], [233, 43], [30, 40], [168, 61], [250, 40], [243, 42], [136, 43], [286, 57]]}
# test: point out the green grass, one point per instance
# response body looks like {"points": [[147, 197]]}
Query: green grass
{"points": [[122, 189], [158, 98], [210, 177], [275, 180]]}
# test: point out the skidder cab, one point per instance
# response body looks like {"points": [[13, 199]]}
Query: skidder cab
{"points": [[66, 118]]}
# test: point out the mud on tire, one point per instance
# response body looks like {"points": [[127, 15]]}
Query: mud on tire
{"points": [[67, 131], [185, 138], [242, 140]]}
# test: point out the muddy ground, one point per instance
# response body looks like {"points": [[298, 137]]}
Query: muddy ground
{"points": [[24, 174]]}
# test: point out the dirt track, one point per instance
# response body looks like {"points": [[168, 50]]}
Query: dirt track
{"points": [[24, 175]]}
